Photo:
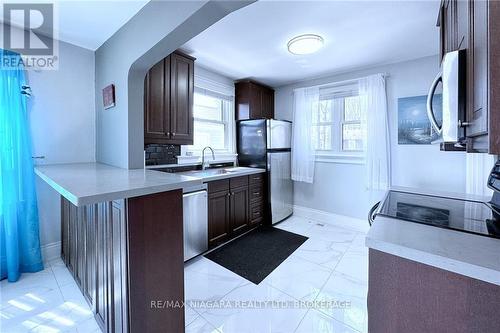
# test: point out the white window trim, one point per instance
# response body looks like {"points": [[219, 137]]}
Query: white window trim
{"points": [[337, 155], [190, 155]]}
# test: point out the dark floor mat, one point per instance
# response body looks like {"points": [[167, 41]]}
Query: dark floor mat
{"points": [[256, 254]]}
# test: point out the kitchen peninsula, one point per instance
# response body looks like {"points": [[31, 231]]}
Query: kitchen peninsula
{"points": [[122, 240]]}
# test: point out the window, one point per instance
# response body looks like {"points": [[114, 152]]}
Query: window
{"points": [[212, 121], [337, 128]]}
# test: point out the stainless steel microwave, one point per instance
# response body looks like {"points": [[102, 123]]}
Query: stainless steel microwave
{"points": [[451, 80]]}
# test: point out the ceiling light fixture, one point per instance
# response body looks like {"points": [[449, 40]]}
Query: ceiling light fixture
{"points": [[305, 44]]}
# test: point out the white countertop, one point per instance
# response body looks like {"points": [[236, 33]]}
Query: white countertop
{"points": [[467, 254], [89, 183]]}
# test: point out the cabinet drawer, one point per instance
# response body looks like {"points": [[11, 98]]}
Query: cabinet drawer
{"points": [[238, 181], [256, 212], [256, 193], [218, 185], [256, 179]]}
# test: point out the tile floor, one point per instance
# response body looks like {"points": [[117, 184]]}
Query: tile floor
{"points": [[321, 287]]}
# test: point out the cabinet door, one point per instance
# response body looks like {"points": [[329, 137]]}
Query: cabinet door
{"points": [[462, 24], [102, 288], [72, 239], [80, 247], [239, 209], [118, 267], [90, 254], [157, 102], [218, 217], [181, 103], [65, 230], [255, 101], [268, 103], [478, 70]]}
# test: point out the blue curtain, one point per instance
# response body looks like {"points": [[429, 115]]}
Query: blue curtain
{"points": [[19, 238]]}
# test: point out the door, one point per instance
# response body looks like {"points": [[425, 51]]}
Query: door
{"points": [[157, 101], [117, 238], [90, 254], [102, 288], [218, 217], [279, 134], [478, 71], [239, 209], [281, 185], [181, 104], [251, 141], [195, 223], [255, 101]]}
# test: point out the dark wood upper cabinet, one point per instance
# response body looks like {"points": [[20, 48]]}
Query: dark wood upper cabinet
{"points": [[254, 101], [474, 25], [168, 101], [157, 101], [181, 94]]}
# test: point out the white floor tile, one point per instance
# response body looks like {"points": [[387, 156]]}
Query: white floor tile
{"points": [[348, 297], [61, 273], [297, 225], [262, 309], [298, 278], [41, 282], [318, 322], [332, 233], [331, 265], [200, 325], [321, 252], [208, 281], [189, 315], [354, 263]]}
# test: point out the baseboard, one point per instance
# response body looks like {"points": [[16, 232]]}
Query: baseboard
{"points": [[51, 251], [338, 220]]}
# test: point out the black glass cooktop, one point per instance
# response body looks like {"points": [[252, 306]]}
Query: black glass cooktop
{"points": [[462, 215]]}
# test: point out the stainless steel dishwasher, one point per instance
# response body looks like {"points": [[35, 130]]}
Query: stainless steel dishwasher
{"points": [[195, 209]]}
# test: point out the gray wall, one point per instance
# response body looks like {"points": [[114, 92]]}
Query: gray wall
{"points": [[62, 120], [340, 188], [157, 30]]}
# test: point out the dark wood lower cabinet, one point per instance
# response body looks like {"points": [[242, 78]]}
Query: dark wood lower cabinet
{"points": [[234, 206], [239, 209], [126, 257], [218, 217]]}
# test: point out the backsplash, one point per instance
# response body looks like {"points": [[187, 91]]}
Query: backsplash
{"points": [[157, 154]]}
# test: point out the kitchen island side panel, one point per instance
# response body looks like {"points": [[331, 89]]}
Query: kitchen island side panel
{"points": [[407, 296], [156, 264]]}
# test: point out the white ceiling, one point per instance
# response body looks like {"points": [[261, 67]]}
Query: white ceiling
{"points": [[89, 23], [251, 42]]}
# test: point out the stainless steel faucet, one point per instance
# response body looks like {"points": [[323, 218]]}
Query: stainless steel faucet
{"points": [[203, 166]]}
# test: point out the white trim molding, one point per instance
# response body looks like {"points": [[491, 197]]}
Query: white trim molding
{"points": [[51, 251], [337, 220], [340, 158]]}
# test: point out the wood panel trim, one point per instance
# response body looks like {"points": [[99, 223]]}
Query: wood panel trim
{"points": [[156, 262], [494, 77]]}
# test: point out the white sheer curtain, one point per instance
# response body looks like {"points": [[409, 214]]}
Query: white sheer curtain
{"points": [[373, 100], [305, 100]]}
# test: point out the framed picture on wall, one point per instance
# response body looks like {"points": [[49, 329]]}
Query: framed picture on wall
{"points": [[108, 96], [414, 127]]}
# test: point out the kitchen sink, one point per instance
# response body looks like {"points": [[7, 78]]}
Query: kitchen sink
{"points": [[213, 172]]}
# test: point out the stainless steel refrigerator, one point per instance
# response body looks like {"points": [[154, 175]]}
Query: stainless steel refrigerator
{"points": [[267, 144]]}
